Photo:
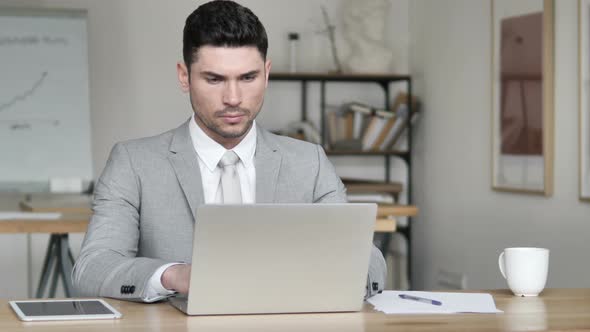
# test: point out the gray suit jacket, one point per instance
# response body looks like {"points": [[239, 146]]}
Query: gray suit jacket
{"points": [[145, 199]]}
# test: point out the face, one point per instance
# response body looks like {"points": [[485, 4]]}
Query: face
{"points": [[226, 89]]}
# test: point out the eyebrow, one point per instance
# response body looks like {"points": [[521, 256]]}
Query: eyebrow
{"points": [[251, 73], [219, 76]]}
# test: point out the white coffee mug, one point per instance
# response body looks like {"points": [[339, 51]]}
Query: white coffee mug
{"points": [[525, 269]]}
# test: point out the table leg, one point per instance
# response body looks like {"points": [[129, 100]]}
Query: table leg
{"points": [[30, 267], [384, 246], [385, 243], [47, 265], [66, 264], [56, 272], [58, 263]]}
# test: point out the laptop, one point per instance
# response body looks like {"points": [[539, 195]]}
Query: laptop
{"points": [[279, 258]]}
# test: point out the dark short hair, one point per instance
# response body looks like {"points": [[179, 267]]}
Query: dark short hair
{"points": [[222, 23]]}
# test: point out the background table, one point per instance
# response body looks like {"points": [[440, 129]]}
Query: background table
{"points": [[554, 310], [76, 212], [63, 203], [58, 260], [81, 205]]}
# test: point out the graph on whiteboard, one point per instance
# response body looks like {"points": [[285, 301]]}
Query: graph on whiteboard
{"points": [[22, 97], [44, 99]]}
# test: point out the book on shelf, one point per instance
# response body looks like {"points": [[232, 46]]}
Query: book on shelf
{"points": [[356, 126], [401, 110], [339, 124], [348, 125], [379, 123], [394, 132], [384, 127], [362, 115], [385, 133], [404, 118], [367, 124], [341, 129], [401, 144]]}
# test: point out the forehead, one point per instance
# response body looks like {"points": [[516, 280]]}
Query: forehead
{"points": [[228, 59]]}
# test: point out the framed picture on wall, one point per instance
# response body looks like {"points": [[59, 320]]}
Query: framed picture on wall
{"points": [[584, 86], [522, 96]]}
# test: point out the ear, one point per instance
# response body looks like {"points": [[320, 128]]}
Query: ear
{"points": [[267, 67], [183, 76]]}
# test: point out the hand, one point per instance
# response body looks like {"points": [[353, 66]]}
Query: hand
{"points": [[177, 278]]}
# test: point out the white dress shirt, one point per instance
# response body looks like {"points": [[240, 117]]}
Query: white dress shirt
{"points": [[210, 153]]}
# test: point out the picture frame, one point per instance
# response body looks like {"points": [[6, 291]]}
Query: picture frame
{"points": [[522, 74], [584, 101]]}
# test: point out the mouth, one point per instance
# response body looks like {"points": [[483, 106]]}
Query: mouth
{"points": [[233, 118]]}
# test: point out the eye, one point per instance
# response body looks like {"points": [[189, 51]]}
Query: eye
{"points": [[213, 80], [249, 78]]}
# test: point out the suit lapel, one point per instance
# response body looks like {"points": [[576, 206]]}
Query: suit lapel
{"points": [[268, 162], [183, 158]]}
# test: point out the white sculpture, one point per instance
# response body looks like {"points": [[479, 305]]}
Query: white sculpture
{"points": [[364, 29]]}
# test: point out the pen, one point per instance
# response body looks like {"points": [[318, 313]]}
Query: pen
{"points": [[420, 299]]}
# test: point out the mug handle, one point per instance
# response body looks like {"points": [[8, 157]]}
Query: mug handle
{"points": [[502, 264]]}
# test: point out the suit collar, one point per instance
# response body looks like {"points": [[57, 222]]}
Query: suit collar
{"points": [[181, 141], [268, 162], [185, 163]]}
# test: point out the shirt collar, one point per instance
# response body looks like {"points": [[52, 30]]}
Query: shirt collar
{"points": [[211, 152]]}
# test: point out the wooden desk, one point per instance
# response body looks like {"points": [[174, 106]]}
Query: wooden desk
{"points": [[554, 310]]}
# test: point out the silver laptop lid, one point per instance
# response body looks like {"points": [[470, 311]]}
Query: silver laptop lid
{"points": [[280, 258]]}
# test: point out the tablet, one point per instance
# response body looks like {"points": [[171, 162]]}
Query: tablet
{"points": [[69, 309]]}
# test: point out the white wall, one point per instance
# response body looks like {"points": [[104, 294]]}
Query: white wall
{"points": [[133, 49], [463, 224], [134, 46]]}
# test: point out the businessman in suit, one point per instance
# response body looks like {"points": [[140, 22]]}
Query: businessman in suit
{"points": [[139, 239]]}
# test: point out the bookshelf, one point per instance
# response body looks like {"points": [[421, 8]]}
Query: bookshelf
{"points": [[383, 81]]}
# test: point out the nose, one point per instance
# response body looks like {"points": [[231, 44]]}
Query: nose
{"points": [[232, 95]]}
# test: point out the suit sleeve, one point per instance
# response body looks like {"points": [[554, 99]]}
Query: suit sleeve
{"points": [[107, 265], [330, 189], [328, 186]]}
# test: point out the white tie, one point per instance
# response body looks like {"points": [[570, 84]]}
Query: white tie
{"points": [[230, 180]]}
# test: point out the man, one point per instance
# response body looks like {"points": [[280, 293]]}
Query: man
{"points": [[140, 236]]}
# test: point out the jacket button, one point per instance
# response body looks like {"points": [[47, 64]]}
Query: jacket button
{"points": [[132, 289]]}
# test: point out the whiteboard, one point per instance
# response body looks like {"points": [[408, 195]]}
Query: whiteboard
{"points": [[44, 98]]}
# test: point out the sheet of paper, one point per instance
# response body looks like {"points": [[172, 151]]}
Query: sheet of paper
{"points": [[390, 302], [29, 215]]}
